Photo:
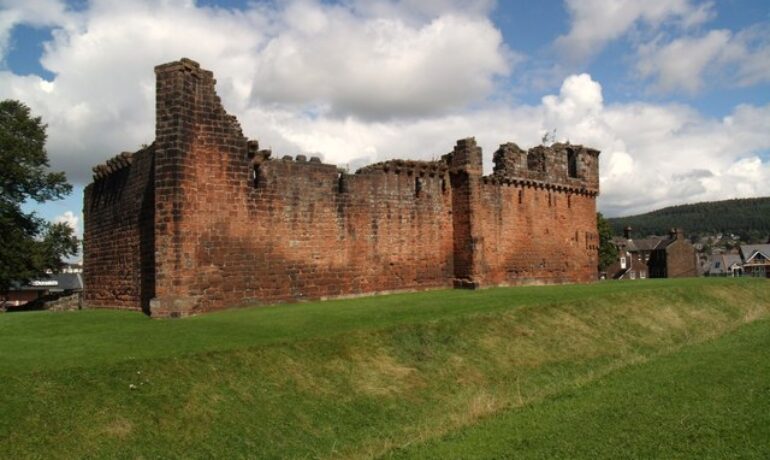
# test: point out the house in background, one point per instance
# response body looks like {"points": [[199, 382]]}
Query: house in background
{"points": [[674, 257], [629, 266], [641, 246], [725, 265], [756, 260], [653, 257]]}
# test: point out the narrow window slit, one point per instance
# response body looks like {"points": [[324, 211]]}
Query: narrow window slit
{"points": [[342, 185], [256, 177]]}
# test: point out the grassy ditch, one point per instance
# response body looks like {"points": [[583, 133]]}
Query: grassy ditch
{"points": [[710, 400], [356, 378]]}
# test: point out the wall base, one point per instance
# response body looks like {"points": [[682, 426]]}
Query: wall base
{"points": [[173, 307]]}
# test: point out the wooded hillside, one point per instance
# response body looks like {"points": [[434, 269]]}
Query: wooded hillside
{"points": [[748, 218]]}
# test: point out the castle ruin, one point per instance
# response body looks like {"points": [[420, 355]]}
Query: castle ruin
{"points": [[203, 219]]}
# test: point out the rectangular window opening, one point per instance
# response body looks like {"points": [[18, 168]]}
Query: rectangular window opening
{"points": [[572, 164]]}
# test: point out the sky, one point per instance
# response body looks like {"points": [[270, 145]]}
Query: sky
{"points": [[675, 93]]}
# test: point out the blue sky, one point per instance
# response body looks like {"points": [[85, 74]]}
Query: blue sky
{"points": [[676, 93]]}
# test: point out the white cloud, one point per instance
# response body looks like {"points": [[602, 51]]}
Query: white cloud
{"points": [[748, 55], [358, 86], [740, 59], [421, 9], [652, 155], [672, 53], [594, 23], [36, 13], [680, 64], [580, 97], [378, 67], [303, 55]]}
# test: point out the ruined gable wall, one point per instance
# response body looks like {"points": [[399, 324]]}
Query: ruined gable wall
{"points": [[118, 231], [198, 145], [223, 238]]}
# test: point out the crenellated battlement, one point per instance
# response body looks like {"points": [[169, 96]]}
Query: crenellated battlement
{"points": [[558, 165], [113, 165], [204, 218], [411, 167], [532, 183]]}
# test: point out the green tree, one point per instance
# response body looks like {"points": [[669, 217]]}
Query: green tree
{"points": [[28, 244], [608, 252]]}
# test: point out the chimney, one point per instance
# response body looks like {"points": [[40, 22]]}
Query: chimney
{"points": [[627, 232], [676, 233]]}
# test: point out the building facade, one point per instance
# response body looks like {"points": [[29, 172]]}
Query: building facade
{"points": [[654, 257], [756, 260], [203, 218], [674, 257]]}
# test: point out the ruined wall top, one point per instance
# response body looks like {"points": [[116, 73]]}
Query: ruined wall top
{"points": [[186, 94], [562, 164]]}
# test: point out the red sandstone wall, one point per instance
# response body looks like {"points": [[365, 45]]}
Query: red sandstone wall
{"points": [[222, 239], [206, 220], [117, 244], [295, 235], [533, 234]]}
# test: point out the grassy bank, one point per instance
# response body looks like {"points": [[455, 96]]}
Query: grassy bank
{"points": [[711, 400], [354, 378]]}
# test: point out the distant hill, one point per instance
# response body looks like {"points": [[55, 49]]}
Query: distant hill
{"points": [[748, 218]]}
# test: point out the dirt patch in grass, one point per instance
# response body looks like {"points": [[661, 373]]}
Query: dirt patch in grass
{"points": [[118, 428]]}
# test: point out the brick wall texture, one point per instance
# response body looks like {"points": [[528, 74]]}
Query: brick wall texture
{"points": [[203, 219]]}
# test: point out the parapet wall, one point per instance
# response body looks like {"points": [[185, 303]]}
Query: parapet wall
{"points": [[206, 219], [118, 245]]}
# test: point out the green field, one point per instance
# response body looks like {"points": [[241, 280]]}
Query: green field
{"points": [[658, 368]]}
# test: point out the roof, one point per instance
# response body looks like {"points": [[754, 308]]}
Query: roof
{"points": [[642, 244], [720, 263], [675, 236], [749, 250], [54, 282]]}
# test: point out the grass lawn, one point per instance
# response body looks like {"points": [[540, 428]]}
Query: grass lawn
{"points": [[709, 400], [37, 341], [370, 377]]}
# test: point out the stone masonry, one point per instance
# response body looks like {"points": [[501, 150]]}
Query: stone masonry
{"points": [[203, 219]]}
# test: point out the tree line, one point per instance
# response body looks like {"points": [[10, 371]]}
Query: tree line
{"points": [[748, 218], [29, 245]]}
